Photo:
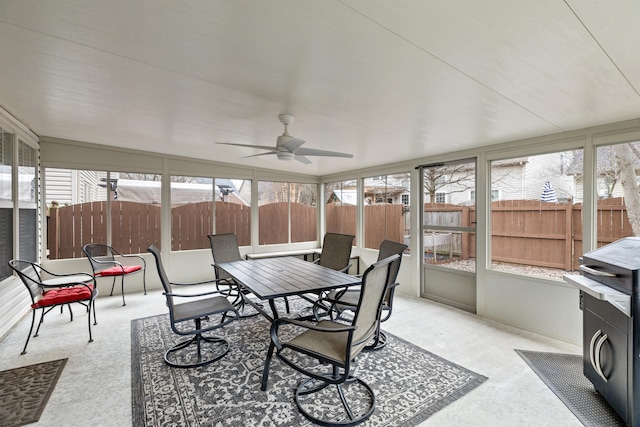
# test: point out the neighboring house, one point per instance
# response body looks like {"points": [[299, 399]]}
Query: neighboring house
{"points": [[387, 189], [343, 197], [521, 178], [69, 187], [608, 183]]}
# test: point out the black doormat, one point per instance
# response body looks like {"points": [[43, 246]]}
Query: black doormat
{"points": [[24, 391], [410, 383], [562, 373]]}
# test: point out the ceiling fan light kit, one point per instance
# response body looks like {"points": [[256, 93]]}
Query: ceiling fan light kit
{"points": [[288, 148]]}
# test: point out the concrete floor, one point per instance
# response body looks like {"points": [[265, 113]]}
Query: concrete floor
{"points": [[95, 386]]}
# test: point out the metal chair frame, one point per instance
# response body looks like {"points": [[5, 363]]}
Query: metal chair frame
{"points": [[346, 299], [224, 248], [198, 307], [346, 342], [30, 273], [102, 256]]}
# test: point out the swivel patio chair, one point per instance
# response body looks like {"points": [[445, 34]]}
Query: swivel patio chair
{"points": [[335, 254], [344, 300], [55, 290], [106, 262], [335, 345], [198, 307], [224, 248]]}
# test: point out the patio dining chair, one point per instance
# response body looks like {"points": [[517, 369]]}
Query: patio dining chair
{"points": [[334, 345], [106, 261], [346, 300], [224, 248], [49, 290], [335, 254], [197, 307]]}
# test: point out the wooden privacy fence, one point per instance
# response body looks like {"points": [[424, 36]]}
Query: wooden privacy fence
{"points": [[523, 231], [274, 223], [135, 226], [380, 222], [532, 232]]}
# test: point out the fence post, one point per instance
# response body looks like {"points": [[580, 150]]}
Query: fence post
{"points": [[52, 231], [568, 241]]}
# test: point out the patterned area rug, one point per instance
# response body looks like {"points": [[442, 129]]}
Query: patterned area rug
{"points": [[562, 373], [24, 391], [410, 383]]}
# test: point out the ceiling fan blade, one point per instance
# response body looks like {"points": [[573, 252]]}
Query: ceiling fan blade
{"points": [[261, 154], [302, 159], [313, 152], [262, 147], [293, 144]]}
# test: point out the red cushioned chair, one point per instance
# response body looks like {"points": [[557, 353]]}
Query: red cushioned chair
{"points": [[104, 264], [56, 290]]}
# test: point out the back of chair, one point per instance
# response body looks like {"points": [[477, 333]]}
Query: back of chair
{"points": [[224, 248], [99, 252], [162, 274], [29, 273], [367, 314], [388, 248], [336, 251]]}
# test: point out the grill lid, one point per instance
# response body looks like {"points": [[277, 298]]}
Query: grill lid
{"points": [[624, 253]]}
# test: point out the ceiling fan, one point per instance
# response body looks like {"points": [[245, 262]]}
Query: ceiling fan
{"points": [[288, 147]]}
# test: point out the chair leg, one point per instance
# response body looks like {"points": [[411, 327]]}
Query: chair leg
{"points": [[379, 341], [144, 279], [241, 306], [89, 321], [314, 409], [70, 312], [33, 320], [122, 289], [198, 340], [93, 304], [113, 284], [265, 371], [40, 323]]}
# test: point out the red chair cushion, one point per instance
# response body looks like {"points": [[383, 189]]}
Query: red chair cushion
{"points": [[64, 296], [117, 271]]}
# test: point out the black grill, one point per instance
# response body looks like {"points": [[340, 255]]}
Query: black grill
{"points": [[610, 301]]}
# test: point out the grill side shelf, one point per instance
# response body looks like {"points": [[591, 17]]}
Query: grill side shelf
{"points": [[619, 300]]}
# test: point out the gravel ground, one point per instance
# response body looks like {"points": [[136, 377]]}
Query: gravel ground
{"points": [[548, 273]]}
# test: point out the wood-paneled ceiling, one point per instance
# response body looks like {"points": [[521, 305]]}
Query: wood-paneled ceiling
{"points": [[384, 80]]}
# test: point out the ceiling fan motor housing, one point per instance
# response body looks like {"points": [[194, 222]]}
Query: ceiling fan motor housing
{"points": [[286, 119]]}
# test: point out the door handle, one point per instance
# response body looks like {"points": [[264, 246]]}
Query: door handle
{"points": [[598, 349], [592, 349]]}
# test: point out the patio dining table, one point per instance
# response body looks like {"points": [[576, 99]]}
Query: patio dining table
{"points": [[272, 278]]}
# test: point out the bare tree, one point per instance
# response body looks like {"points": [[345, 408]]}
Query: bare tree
{"points": [[455, 178], [627, 155], [140, 176]]}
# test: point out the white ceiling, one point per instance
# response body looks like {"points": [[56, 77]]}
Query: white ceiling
{"points": [[384, 80]]}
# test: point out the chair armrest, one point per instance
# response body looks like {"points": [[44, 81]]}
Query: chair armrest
{"points": [[343, 270], [82, 273], [276, 323], [196, 283], [202, 294], [91, 288], [283, 321], [144, 262], [346, 269]]}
